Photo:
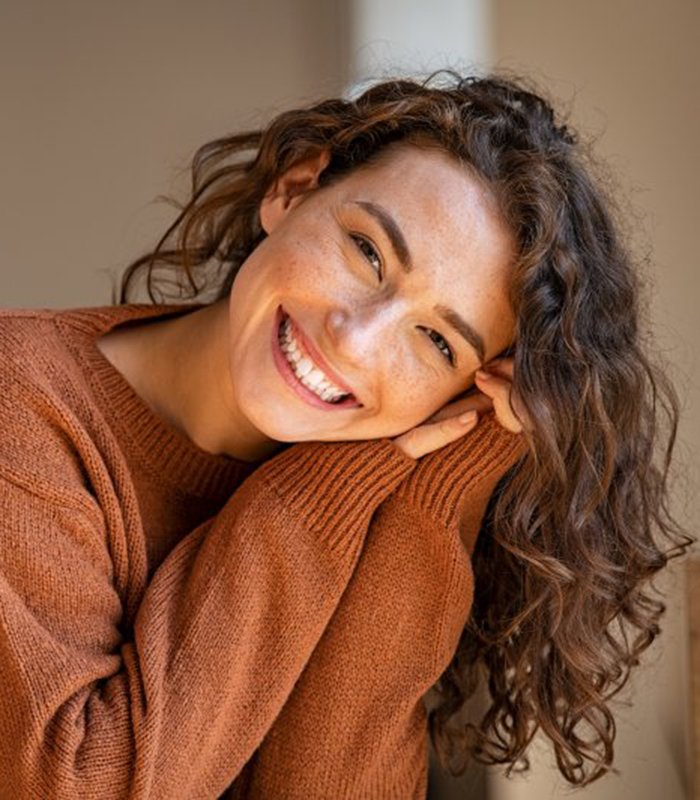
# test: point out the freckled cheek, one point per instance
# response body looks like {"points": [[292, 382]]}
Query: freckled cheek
{"points": [[409, 393], [317, 268]]}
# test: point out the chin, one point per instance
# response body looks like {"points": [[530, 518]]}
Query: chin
{"points": [[275, 422]]}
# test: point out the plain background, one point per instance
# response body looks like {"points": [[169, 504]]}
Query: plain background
{"points": [[103, 105]]}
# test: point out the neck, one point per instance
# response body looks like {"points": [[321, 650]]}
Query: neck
{"points": [[184, 364]]}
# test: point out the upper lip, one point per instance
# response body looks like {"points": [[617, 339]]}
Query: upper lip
{"points": [[313, 351]]}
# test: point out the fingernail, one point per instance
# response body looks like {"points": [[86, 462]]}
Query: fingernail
{"points": [[467, 417]]}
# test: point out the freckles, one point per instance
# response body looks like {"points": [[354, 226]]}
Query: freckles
{"points": [[413, 392], [309, 253], [399, 374]]}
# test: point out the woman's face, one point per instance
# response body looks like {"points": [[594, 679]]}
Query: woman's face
{"points": [[373, 271]]}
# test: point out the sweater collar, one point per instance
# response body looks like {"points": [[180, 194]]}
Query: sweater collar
{"points": [[167, 451]]}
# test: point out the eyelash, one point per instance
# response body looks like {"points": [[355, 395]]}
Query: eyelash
{"points": [[361, 240]]}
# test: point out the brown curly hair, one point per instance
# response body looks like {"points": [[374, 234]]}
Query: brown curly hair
{"points": [[577, 529]]}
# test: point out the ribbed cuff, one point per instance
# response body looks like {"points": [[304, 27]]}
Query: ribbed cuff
{"points": [[336, 486], [445, 478]]}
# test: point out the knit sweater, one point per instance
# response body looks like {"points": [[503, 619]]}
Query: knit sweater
{"points": [[180, 624]]}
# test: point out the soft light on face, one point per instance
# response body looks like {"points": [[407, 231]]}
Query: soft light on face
{"points": [[374, 269]]}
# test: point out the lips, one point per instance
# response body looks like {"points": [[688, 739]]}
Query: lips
{"points": [[291, 378], [308, 345]]}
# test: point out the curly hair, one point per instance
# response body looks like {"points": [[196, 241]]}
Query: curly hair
{"points": [[577, 529]]}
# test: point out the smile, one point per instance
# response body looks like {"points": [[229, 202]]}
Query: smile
{"points": [[302, 371]]}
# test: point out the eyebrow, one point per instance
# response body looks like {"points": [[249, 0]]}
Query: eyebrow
{"points": [[403, 255]]}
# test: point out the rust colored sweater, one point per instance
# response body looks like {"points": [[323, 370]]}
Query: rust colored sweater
{"points": [[177, 624]]}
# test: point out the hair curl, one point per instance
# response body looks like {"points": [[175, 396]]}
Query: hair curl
{"points": [[577, 529]]}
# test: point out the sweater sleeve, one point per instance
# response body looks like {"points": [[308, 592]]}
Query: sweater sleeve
{"points": [[355, 725], [174, 705]]}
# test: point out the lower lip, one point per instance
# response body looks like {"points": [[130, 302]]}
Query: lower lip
{"points": [[287, 373]]}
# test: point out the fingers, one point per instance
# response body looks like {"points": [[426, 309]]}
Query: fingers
{"points": [[492, 390], [499, 389], [501, 366], [477, 401], [428, 437]]}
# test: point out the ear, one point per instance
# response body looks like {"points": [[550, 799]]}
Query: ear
{"points": [[290, 188]]}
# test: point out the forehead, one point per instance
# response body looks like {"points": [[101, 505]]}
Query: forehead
{"points": [[449, 217]]}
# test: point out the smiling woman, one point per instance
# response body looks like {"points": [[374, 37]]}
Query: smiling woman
{"points": [[377, 257], [286, 531]]}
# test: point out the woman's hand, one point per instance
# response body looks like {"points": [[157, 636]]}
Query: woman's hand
{"points": [[494, 390], [497, 384]]}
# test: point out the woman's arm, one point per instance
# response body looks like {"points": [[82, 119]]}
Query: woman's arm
{"points": [[173, 706], [355, 724]]}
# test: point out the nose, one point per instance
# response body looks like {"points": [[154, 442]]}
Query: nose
{"points": [[360, 335]]}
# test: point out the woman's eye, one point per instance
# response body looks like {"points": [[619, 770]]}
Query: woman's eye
{"points": [[441, 345], [369, 252], [372, 256]]}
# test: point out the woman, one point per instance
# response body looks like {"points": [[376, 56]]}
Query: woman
{"points": [[240, 537]]}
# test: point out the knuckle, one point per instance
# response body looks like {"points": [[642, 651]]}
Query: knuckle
{"points": [[446, 426]]}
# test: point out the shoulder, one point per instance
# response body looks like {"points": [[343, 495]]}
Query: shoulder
{"points": [[32, 355], [41, 424]]}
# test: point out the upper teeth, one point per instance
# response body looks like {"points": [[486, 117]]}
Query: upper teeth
{"points": [[305, 369]]}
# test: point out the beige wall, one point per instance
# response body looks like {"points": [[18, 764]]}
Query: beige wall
{"points": [[630, 69], [101, 104]]}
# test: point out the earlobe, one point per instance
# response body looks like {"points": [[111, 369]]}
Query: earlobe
{"points": [[290, 187]]}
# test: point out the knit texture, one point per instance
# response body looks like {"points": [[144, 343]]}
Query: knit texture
{"points": [[178, 624]]}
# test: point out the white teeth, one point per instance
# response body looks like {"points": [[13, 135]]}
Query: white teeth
{"points": [[304, 367], [312, 377]]}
